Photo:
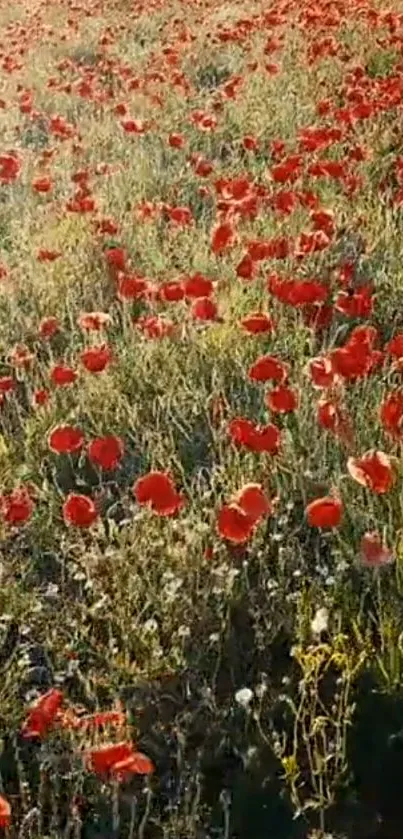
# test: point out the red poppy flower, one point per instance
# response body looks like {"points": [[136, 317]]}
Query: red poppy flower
{"points": [[321, 372], [17, 506], [288, 171], [277, 149], [324, 512], [119, 760], [250, 143], [234, 524], [79, 510], [280, 288], [332, 168], [258, 250], [222, 237], [346, 274], [364, 334], [7, 384], [48, 327], [181, 216], [134, 126], [40, 397], [96, 359], [5, 812], [311, 242], [391, 413], [253, 501], [198, 286], [65, 439], [359, 304], [137, 764], [157, 489], [264, 438], [47, 255], [94, 321], [257, 323], [332, 417], [245, 270], [42, 184], [155, 327], [374, 470], [278, 248], [61, 375], [102, 759], [353, 361], [307, 292], [323, 107], [176, 141], [395, 346], [106, 452], [282, 400], [10, 167], [81, 177], [116, 258], [241, 431], [171, 292], [267, 368], [60, 127], [203, 168], [107, 226], [235, 189], [373, 551], [81, 204], [42, 714], [131, 287], [147, 210], [323, 220], [318, 317], [285, 201], [204, 309]]}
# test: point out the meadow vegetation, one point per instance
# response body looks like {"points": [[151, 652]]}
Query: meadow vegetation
{"points": [[201, 419]]}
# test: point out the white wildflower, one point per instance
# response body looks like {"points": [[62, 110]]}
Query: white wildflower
{"points": [[320, 621], [243, 697]]}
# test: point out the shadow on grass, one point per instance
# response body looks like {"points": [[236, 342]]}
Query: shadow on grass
{"points": [[216, 776]]}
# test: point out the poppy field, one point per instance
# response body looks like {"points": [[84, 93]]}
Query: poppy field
{"points": [[201, 419]]}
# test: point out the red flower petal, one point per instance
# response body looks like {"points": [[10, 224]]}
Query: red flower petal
{"points": [[324, 512]]}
